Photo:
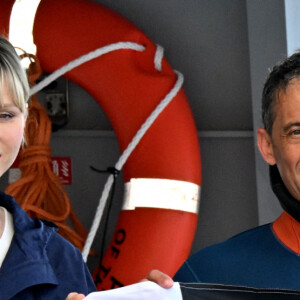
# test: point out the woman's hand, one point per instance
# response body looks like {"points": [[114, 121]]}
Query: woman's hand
{"points": [[160, 278]]}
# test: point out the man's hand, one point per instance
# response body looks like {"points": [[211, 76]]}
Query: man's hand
{"points": [[75, 296], [158, 277]]}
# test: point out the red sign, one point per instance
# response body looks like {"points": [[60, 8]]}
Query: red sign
{"points": [[61, 167]]}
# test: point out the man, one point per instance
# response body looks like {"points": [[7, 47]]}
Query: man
{"points": [[266, 256]]}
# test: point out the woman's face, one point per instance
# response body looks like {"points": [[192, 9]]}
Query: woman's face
{"points": [[12, 122]]}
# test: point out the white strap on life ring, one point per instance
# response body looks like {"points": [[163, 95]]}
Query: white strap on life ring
{"points": [[161, 193]]}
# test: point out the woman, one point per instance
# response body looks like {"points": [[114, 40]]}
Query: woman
{"points": [[35, 261]]}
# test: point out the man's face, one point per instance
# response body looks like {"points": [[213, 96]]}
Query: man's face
{"points": [[285, 140]]}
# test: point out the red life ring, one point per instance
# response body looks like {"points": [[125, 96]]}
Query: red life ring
{"points": [[128, 87]]}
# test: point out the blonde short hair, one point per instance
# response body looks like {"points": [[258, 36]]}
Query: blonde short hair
{"points": [[13, 75]]}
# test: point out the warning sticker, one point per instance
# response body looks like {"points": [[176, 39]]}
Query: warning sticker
{"points": [[61, 167]]}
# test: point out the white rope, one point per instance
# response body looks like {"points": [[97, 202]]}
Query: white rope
{"points": [[159, 54], [82, 59], [123, 158]]}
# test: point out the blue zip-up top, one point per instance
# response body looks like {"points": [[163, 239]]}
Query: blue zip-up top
{"points": [[40, 264]]}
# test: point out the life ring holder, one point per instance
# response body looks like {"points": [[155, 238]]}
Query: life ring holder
{"points": [[147, 235]]}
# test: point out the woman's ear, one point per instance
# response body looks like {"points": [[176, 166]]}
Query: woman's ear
{"points": [[265, 146]]}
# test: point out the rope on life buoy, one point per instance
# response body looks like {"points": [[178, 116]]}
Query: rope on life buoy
{"points": [[140, 133], [123, 158], [82, 59]]}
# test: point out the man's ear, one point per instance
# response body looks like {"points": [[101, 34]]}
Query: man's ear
{"points": [[265, 146]]}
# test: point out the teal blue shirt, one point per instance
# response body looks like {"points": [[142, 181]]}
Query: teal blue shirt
{"points": [[255, 258]]}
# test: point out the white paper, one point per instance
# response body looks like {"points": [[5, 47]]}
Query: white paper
{"points": [[146, 290]]}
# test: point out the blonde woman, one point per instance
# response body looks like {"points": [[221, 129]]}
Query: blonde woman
{"points": [[35, 261]]}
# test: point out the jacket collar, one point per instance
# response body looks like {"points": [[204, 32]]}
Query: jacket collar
{"points": [[287, 201], [287, 230], [287, 226]]}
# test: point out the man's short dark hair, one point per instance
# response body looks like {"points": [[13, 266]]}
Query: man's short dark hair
{"points": [[278, 80]]}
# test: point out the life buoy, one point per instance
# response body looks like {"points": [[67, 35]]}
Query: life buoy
{"points": [[149, 234]]}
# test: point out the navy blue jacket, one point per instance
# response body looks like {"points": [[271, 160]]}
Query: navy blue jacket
{"points": [[40, 264]]}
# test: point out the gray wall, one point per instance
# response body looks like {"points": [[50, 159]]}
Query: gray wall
{"points": [[267, 46], [224, 49]]}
